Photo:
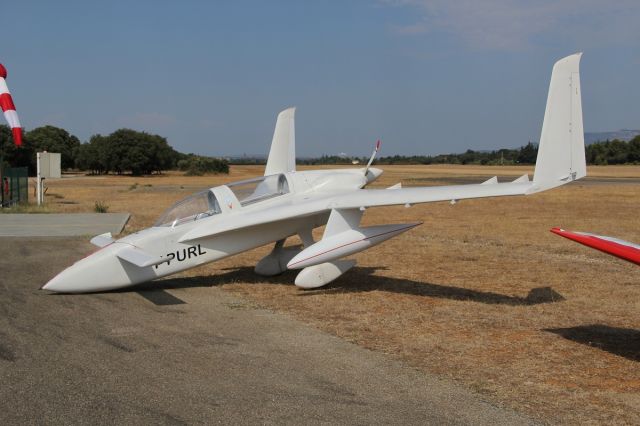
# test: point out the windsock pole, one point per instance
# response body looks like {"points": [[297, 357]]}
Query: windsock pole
{"points": [[9, 109]]}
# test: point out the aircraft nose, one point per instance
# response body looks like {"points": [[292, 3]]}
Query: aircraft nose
{"points": [[74, 279], [58, 283], [101, 271]]}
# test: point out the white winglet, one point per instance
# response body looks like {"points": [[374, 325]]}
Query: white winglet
{"points": [[491, 181], [373, 156], [282, 156], [561, 157], [102, 240], [139, 257], [522, 179], [342, 220]]}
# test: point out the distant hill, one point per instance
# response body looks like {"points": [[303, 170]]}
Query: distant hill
{"points": [[622, 135]]}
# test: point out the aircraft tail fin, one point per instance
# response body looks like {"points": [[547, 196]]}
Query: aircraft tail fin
{"points": [[561, 156], [282, 156]]}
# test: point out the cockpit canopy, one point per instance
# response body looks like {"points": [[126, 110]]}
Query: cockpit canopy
{"points": [[204, 204], [197, 206], [259, 189]]}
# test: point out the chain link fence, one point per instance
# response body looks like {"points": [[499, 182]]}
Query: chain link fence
{"points": [[15, 186]]}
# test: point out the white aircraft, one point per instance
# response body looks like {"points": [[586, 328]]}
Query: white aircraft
{"points": [[229, 219]]}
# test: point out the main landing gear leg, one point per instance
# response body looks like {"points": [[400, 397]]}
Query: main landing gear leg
{"points": [[276, 262]]}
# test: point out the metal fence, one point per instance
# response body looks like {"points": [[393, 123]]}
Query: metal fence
{"points": [[15, 185]]}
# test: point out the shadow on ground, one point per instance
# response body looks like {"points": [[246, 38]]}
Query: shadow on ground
{"points": [[624, 342], [357, 280], [160, 297]]}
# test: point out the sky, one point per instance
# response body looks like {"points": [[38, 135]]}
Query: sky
{"points": [[424, 76]]}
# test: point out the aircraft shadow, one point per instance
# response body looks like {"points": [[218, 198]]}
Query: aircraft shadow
{"points": [[623, 342], [361, 279]]}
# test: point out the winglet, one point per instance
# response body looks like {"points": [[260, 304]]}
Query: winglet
{"points": [[491, 181], [373, 156], [102, 240], [522, 179], [282, 156], [341, 220], [561, 157], [139, 257]]}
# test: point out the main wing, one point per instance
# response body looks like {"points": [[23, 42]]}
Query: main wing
{"points": [[298, 207], [561, 159], [561, 156], [388, 197]]}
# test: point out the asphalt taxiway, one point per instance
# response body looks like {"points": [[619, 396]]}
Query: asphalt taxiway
{"points": [[181, 351], [61, 224]]}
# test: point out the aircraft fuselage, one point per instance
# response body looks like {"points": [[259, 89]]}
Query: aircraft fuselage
{"points": [[104, 270]]}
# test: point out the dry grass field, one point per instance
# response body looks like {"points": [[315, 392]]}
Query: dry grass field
{"points": [[481, 293]]}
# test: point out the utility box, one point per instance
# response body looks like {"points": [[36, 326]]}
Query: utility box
{"points": [[49, 165]]}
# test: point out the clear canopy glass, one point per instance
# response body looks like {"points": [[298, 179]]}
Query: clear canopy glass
{"points": [[259, 189], [197, 206]]}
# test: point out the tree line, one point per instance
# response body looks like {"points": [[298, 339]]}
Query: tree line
{"points": [[139, 153], [598, 153], [123, 151]]}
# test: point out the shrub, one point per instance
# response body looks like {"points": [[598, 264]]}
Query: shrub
{"points": [[100, 207], [197, 165]]}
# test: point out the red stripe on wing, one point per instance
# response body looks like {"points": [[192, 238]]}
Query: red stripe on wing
{"points": [[622, 251]]}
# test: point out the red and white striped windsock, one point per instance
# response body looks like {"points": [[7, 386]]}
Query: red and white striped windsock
{"points": [[9, 109]]}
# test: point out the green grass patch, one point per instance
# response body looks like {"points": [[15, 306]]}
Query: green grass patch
{"points": [[25, 208]]}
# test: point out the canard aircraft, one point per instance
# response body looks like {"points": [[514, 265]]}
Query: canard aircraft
{"points": [[229, 219]]}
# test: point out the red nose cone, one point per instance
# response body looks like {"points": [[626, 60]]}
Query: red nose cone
{"points": [[3, 71]]}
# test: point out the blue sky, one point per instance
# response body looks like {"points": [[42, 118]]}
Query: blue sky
{"points": [[425, 76]]}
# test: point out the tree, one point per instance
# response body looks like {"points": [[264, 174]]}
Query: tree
{"points": [[596, 153], [528, 154], [617, 152], [127, 150], [197, 165], [88, 157], [141, 152], [14, 156], [634, 150], [55, 139]]}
